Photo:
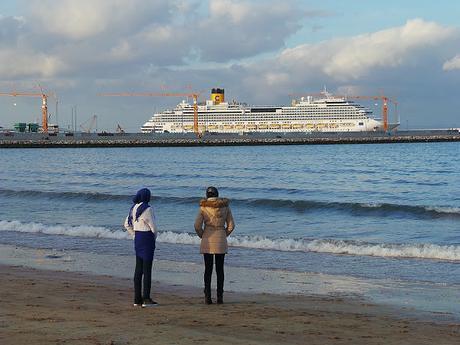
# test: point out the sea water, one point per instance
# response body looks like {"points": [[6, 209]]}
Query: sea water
{"points": [[389, 211]]}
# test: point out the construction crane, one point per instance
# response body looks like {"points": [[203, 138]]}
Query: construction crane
{"points": [[44, 98], [193, 95], [89, 124], [120, 129], [385, 100]]}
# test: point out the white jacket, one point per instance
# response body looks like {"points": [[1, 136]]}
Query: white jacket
{"points": [[145, 222]]}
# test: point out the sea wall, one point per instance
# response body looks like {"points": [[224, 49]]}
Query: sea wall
{"points": [[40, 140]]}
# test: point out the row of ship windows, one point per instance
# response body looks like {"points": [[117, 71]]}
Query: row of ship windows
{"points": [[301, 108], [172, 119], [260, 115], [260, 126], [151, 125], [328, 111], [276, 114]]}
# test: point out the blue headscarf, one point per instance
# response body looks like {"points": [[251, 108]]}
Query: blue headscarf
{"points": [[142, 196]]}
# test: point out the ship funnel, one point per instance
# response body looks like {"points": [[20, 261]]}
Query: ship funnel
{"points": [[217, 96]]}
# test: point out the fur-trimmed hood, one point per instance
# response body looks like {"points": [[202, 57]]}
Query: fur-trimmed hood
{"points": [[214, 202]]}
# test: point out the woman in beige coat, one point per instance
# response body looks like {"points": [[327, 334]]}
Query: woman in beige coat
{"points": [[216, 216]]}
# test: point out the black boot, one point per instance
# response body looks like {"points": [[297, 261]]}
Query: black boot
{"points": [[207, 296], [220, 298]]}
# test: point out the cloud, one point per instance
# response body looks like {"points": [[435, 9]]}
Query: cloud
{"points": [[29, 64], [238, 29], [452, 64], [10, 29], [85, 47], [102, 37], [83, 19], [355, 57]]}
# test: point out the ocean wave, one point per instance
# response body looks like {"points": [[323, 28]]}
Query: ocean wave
{"points": [[63, 195], [67, 230], [90, 196], [332, 246], [376, 209], [372, 209]]}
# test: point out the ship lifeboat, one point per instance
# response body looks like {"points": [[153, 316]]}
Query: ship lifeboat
{"points": [[297, 126], [239, 127], [188, 127], [227, 127], [275, 126], [263, 126], [251, 127], [286, 126], [310, 125]]}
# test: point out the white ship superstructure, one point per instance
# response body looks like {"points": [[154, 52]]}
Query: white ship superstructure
{"points": [[308, 114]]}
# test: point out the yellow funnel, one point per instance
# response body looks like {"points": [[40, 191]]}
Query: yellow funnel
{"points": [[217, 96]]}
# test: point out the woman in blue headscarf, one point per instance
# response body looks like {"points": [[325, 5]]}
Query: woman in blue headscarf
{"points": [[140, 223]]}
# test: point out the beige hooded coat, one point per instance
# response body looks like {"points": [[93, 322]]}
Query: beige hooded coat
{"points": [[216, 216]]}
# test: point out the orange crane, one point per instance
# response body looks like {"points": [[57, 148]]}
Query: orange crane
{"points": [[44, 98], [194, 95], [385, 100]]}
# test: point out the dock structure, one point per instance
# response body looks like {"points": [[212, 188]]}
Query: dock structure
{"points": [[43, 140]]}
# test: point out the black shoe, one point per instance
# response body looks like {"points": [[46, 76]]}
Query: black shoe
{"points": [[207, 296], [220, 299], [148, 303], [207, 300]]}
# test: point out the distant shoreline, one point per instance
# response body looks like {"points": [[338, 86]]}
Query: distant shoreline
{"points": [[36, 140]]}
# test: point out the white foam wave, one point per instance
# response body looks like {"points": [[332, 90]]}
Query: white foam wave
{"points": [[79, 231], [371, 205], [178, 238], [455, 210], [421, 251]]}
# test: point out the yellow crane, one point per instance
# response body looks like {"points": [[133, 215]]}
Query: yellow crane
{"points": [[385, 100], [193, 95], [44, 98]]}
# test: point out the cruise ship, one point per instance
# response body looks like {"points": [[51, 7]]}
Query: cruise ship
{"points": [[327, 113]]}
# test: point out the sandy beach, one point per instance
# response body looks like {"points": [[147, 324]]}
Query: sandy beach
{"points": [[50, 307]]}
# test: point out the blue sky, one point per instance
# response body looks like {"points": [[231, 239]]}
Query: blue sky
{"points": [[259, 51], [354, 17]]}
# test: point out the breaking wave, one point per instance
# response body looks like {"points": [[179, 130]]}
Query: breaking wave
{"points": [[372, 209], [67, 230], [358, 248]]}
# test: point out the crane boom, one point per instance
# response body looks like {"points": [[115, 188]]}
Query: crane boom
{"points": [[44, 98], [385, 100], [194, 95]]}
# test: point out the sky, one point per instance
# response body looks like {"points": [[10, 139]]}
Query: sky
{"points": [[260, 52]]}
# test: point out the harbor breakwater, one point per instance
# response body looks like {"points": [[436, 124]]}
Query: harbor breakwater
{"points": [[40, 140]]}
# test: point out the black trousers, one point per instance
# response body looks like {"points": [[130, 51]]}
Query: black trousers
{"points": [[208, 265], [143, 268]]}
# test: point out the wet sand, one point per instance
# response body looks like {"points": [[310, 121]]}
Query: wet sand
{"points": [[50, 307]]}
